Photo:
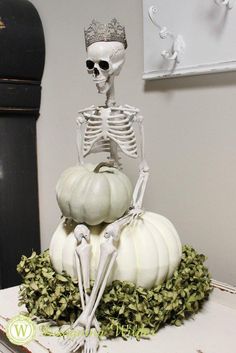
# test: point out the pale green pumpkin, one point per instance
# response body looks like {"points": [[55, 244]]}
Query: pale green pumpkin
{"points": [[149, 250], [92, 195]]}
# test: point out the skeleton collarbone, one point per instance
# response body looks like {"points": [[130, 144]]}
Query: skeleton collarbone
{"points": [[108, 126]]}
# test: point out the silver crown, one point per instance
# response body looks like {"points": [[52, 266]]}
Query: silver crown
{"points": [[99, 32]]}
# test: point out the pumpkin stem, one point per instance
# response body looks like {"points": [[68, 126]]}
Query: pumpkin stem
{"points": [[103, 164]]}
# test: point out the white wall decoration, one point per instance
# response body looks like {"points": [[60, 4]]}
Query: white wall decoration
{"points": [[188, 37]]}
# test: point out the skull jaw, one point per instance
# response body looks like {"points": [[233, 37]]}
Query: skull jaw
{"points": [[105, 86]]}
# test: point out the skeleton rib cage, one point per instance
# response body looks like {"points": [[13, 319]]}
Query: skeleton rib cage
{"points": [[106, 127]]}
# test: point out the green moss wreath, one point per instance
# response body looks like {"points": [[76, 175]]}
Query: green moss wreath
{"points": [[125, 310]]}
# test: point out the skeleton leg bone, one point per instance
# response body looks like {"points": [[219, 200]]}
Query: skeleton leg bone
{"points": [[92, 340], [85, 319], [82, 260], [108, 253], [102, 286], [82, 235], [83, 252]]}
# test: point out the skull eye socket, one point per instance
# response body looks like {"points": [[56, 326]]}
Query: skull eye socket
{"points": [[104, 65], [89, 64]]}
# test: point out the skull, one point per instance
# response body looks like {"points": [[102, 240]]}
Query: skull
{"points": [[105, 60]]}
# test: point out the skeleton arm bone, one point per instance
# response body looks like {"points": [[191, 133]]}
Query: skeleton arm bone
{"points": [[82, 119], [140, 186], [133, 114]]}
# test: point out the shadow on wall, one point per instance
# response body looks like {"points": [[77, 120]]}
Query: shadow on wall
{"points": [[191, 82]]}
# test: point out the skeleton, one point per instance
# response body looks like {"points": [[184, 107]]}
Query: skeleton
{"points": [[104, 129]]}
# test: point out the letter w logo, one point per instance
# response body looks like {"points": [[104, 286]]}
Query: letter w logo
{"points": [[21, 329]]}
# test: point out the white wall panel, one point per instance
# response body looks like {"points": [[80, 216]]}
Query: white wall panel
{"points": [[208, 31]]}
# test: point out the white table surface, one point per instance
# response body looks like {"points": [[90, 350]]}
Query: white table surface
{"points": [[213, 330]]}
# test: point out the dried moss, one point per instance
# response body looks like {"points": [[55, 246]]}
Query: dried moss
{"points": [[125, 310]]}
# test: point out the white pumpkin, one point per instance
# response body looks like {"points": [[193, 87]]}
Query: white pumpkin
{"points": [[149, 251], [93, 195]]}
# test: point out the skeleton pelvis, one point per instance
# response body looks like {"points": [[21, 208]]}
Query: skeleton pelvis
{"points": [[149, 250], [93, 195]]}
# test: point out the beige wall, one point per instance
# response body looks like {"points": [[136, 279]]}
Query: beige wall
{"points": [[190, 127]]}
